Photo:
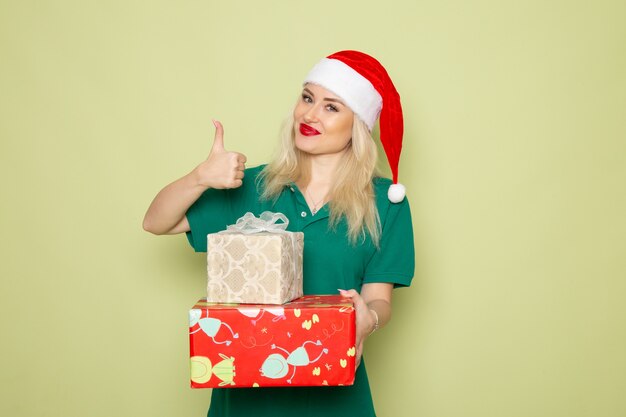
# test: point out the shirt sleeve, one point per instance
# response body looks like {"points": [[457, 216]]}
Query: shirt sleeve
{"points": [[394, 260], [209, 214], [216, 209]]}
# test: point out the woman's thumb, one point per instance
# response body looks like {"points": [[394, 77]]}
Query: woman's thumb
{"points": [[218, 141]]}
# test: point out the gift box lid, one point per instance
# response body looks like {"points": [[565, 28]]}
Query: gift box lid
{"points": [[308, 301]]}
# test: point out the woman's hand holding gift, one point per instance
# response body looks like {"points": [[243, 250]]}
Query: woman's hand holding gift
{"points": [[373, 310]]}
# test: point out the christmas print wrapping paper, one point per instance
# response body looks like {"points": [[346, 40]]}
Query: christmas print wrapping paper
{"points": [[307, 342], [255, 261]]}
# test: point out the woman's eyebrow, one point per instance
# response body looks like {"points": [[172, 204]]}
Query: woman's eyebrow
{"points": [[334, 100]]}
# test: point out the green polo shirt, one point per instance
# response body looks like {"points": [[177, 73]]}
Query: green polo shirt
{"points": [[330, 262]]}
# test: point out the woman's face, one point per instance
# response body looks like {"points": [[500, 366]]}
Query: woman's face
{"points": [[322, 122]]}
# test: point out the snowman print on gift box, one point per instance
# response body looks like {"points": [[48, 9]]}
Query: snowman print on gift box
{"points": [[276, 365], [209, 326]]}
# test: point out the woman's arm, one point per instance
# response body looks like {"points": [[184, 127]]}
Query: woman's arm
{"points": [[222, 169], [373, 310]]}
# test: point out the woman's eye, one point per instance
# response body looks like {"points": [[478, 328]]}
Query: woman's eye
{"points": [[330, 107], [306, 98]]}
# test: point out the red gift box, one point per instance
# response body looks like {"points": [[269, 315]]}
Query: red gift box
{"points": [[307, 342]]}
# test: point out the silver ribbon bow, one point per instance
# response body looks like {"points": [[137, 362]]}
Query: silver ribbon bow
{"points": [[266, 222]]}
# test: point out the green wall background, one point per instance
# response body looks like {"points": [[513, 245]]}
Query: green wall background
{"points": [[514, 159]]}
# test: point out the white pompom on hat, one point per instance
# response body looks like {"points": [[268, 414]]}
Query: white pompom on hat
{"points": [[364, 85]]}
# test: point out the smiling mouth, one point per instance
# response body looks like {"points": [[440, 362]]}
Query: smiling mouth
{"points": [[307, 130]]}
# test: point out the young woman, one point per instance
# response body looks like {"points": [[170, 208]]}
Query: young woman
{"points": [[357, 226]]}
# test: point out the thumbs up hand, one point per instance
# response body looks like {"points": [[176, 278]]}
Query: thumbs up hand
{"points": [[222, 169]]}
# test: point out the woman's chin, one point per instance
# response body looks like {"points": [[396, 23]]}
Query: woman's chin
{"points": [[305, 143]]}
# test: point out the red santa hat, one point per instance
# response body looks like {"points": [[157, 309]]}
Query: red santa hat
{"points": [[364, 85]]}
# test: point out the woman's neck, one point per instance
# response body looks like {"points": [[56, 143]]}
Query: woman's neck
{"points": [[320, 172]]}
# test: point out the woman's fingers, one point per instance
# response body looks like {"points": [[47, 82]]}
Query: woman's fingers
{"points": [[357, 300], [364, 320], [359, 355], [222, 169]]}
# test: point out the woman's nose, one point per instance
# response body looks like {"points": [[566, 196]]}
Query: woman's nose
{"points": [[311, 114]]}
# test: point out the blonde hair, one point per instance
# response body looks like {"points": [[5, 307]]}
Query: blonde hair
{"points": [[352, 193]]}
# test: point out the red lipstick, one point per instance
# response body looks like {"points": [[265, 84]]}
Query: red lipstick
{"points": [[307, 130]]}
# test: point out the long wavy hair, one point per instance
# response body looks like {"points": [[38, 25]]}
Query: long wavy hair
{"points": [[351, 196]]}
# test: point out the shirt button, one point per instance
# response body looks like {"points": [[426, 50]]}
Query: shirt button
{"points": [[303, 214]]}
